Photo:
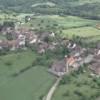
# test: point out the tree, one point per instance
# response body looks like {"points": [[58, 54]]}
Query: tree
{"points": [[9, 36], [9, 24], [1, 27]]}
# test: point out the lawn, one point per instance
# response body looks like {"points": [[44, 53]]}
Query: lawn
{"points": [[30, 85], [79, 87]]}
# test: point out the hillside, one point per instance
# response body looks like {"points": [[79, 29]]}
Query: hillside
{"points": [[86, 8]]}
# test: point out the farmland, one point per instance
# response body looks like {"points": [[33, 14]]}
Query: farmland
{"points": [[83, 32], [30, 85], [65, 22], [67, 26]]}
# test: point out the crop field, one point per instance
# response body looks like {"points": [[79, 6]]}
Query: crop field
{"points": [[68, 25], [29, 85], [80, 87], [65, 22], [83, 32]]}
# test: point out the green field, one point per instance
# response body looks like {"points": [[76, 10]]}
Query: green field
{"points": [[18, 61], [83, 32], [64, 22], [30, 85], [68, 25], [80, 87]]}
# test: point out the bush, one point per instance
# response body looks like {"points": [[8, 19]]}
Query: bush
{"points": [[78, 93], [66, 94], [78, 84], [8, 63], [66, 80], [41, 97]]}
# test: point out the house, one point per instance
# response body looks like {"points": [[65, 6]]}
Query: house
{"points": [[55, 43], [98, 45], [3, 44], [64, 41], [97, 52], [27, 18], [61, 67], [52, 34], [13, 44], [58, 68], [21, 40], [74, 62], [71, 45], [43, 35], [33, 39], [95, 68], [88, 59], [52, 47], [95, 64], [42, 47]]}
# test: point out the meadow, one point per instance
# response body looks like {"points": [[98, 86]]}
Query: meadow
{"points": [[32, 84]]}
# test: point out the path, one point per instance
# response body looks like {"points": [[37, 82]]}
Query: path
{"points": [[53, 88]]}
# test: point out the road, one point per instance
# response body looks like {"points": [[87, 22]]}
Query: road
{"points": [[53, 88]]}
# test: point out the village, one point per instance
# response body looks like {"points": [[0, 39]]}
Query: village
{"points": [[23, 37], [49, 49]]}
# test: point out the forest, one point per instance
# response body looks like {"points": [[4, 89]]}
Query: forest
{"points": [[86, 8]]}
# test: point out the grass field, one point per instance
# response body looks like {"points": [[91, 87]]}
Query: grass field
{"points": [[66, 22], [18, 61], [30, 85], [81, 87], [82, 32]]}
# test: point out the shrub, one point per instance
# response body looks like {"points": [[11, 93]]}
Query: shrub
{"points": [[78, 93], [8, 63], [41, 97], [66, 80], [66, 94]]}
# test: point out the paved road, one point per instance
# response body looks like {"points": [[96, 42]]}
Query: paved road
{"points": [[53, 88]]}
